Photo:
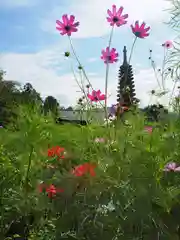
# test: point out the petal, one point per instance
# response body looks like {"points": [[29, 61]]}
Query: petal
{"points": [[112, 50], [171, 165], [93, 93], [98, 93], [90, 97], [60, 29], [120, 10], [65, 19], [59, 23], [104, 53], [102, 97], [144, 35], [107, 50], [63, 33], [125, 16], [110, 13], [177, 169], [147, 29], [109, 19], [136, 27], [142, 26], [71, 19], [132, 28], [114, 10], [76, 24], [73, 29]]}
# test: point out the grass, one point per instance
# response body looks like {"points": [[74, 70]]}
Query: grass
{"points": [[130, 196]]}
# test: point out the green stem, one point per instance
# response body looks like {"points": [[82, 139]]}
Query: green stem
{"points": [[107, 74], [163, 66], [77, 59], [132, 48], [84, 72], [154, 68], [29, 166], [173, 91]]}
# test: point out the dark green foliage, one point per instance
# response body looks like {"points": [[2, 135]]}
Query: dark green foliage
{"points": [[51, 105], [155, 112], [30, 96], [8, 100], [126, 88]]}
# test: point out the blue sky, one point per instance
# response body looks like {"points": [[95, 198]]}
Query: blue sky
{"points": [[32, 49]]}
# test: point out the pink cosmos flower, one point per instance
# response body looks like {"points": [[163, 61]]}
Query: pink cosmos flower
{"points": [[109, 56], [99, 140], [67, 26], [96, 96], [168, 44], [172, 167], [116, 17], [148, 129], [139, 30]]}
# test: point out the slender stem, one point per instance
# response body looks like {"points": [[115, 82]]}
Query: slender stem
{"points": [[132, 48], [84, 72], [29, 166], [77, 59], [163, 66], [154, 68], [81, 87], [107, 74], [173, 91]]}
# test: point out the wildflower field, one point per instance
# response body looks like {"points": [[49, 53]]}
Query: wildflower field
{"points": [[111, 181], [90, 182]]}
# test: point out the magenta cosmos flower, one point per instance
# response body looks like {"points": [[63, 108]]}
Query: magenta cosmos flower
{"points": [[67, 26], [168, 44], [96, 96], [139, 30], [116, 17], [109, 56]]}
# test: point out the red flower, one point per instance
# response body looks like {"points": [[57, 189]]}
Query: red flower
{"points": [[139, 30], [109, 56], [67, 26], [168, 44], [96, 96], [83, 169], [116, 17], [56, 151], [51, 190]]}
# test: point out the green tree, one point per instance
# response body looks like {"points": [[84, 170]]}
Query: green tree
{"points": [[8, 100], [51, 105], [30, 96]]}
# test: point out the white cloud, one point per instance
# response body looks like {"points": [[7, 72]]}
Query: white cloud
{"points": [[92, 15], [48, 80]]}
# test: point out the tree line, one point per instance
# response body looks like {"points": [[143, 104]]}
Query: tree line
{"points": [[13, 95]]}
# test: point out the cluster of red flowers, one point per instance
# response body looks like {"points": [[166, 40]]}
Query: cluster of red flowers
{"points": [[78, 171], [56, 151]]}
